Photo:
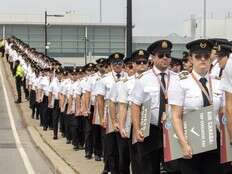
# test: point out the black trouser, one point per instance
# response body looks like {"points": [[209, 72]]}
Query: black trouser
{"points": [[80, 131], [26, 91], [12, 68], [207, 162], [111, 152], [18, 81], [89, 132], [2, 50], [7, 57], [135, 158], [150, 151], [50, 119], [203, 163], [67, 122], [103, 142], [74, 131], [45, 112], [97, 142], [226, 168], [124, 154], [62, 125], [32, 102], [55, 117], [37, 113]]}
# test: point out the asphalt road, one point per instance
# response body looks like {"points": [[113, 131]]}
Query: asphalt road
{"points": [[18, 155]]}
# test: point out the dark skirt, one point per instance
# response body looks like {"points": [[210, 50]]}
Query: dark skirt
{"points": [[32, 99]]}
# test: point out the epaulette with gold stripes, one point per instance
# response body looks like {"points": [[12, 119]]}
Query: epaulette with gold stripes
{"points": [[183, 75]]}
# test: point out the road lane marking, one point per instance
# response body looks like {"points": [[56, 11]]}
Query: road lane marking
{"points": [[19, 146]]}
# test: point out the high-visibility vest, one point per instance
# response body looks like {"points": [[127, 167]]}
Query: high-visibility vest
{"points": [[19, 71]]}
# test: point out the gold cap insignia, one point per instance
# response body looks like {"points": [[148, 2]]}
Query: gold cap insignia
{"points": [[141, 53], [116, 56], [90, 65], [203, 45], [164, 44]]}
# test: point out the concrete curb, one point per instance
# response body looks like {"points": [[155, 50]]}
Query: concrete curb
{"points": [[59, 165]]}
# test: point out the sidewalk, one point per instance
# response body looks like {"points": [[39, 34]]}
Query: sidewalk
{"points": [[67, 160]]}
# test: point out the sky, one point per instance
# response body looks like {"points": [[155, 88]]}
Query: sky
{"points": [[150, 17]]}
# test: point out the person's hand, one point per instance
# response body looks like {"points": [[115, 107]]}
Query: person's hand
{"points": [[187, 151], [123, 133], [116, 126], [139, 135]]}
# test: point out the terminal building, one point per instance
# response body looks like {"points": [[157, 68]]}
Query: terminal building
{"points": [[74, 39]]}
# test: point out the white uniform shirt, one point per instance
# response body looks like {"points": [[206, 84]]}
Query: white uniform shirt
{"points": [[44, 85], [32, 80], [226, 81], [187, 93], [54, 88], [147, 87], [91, 84], [125, 88], [105, 85]]}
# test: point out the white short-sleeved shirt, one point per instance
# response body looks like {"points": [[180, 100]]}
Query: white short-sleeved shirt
{"points": [[106, 83], [186, 93], [125, 88], [55, 87], [147, 87], [83, 83], [91, 85], [32, 80], [44, 84], [226, 81]]}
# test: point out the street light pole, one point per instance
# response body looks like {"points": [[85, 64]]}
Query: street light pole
{"points": [[85, 39], [100, 11], [129, 28], [45, 33], [46, 30], [204, 25]]}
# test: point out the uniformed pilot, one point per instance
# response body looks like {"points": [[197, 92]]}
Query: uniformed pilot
{"points": [[192, 92], [152, 86]]}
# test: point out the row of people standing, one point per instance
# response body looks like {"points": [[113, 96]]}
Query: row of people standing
{"points": [[98, 107]]}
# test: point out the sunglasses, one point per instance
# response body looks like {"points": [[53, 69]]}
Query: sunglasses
{"points": [[161, 55], [141, 62], [199, 56], [120, 63]]}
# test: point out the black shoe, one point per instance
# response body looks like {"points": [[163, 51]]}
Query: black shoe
{"points": [[97, 158], [76, 148], [45, 129], [68, 142], [18, 101], [55, 138], [88, 155], [104, 172]]}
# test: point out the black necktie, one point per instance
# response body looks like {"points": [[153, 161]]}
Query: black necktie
{"points": [[220, 73], [205, 99], [118, 75], [162, 98]]}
